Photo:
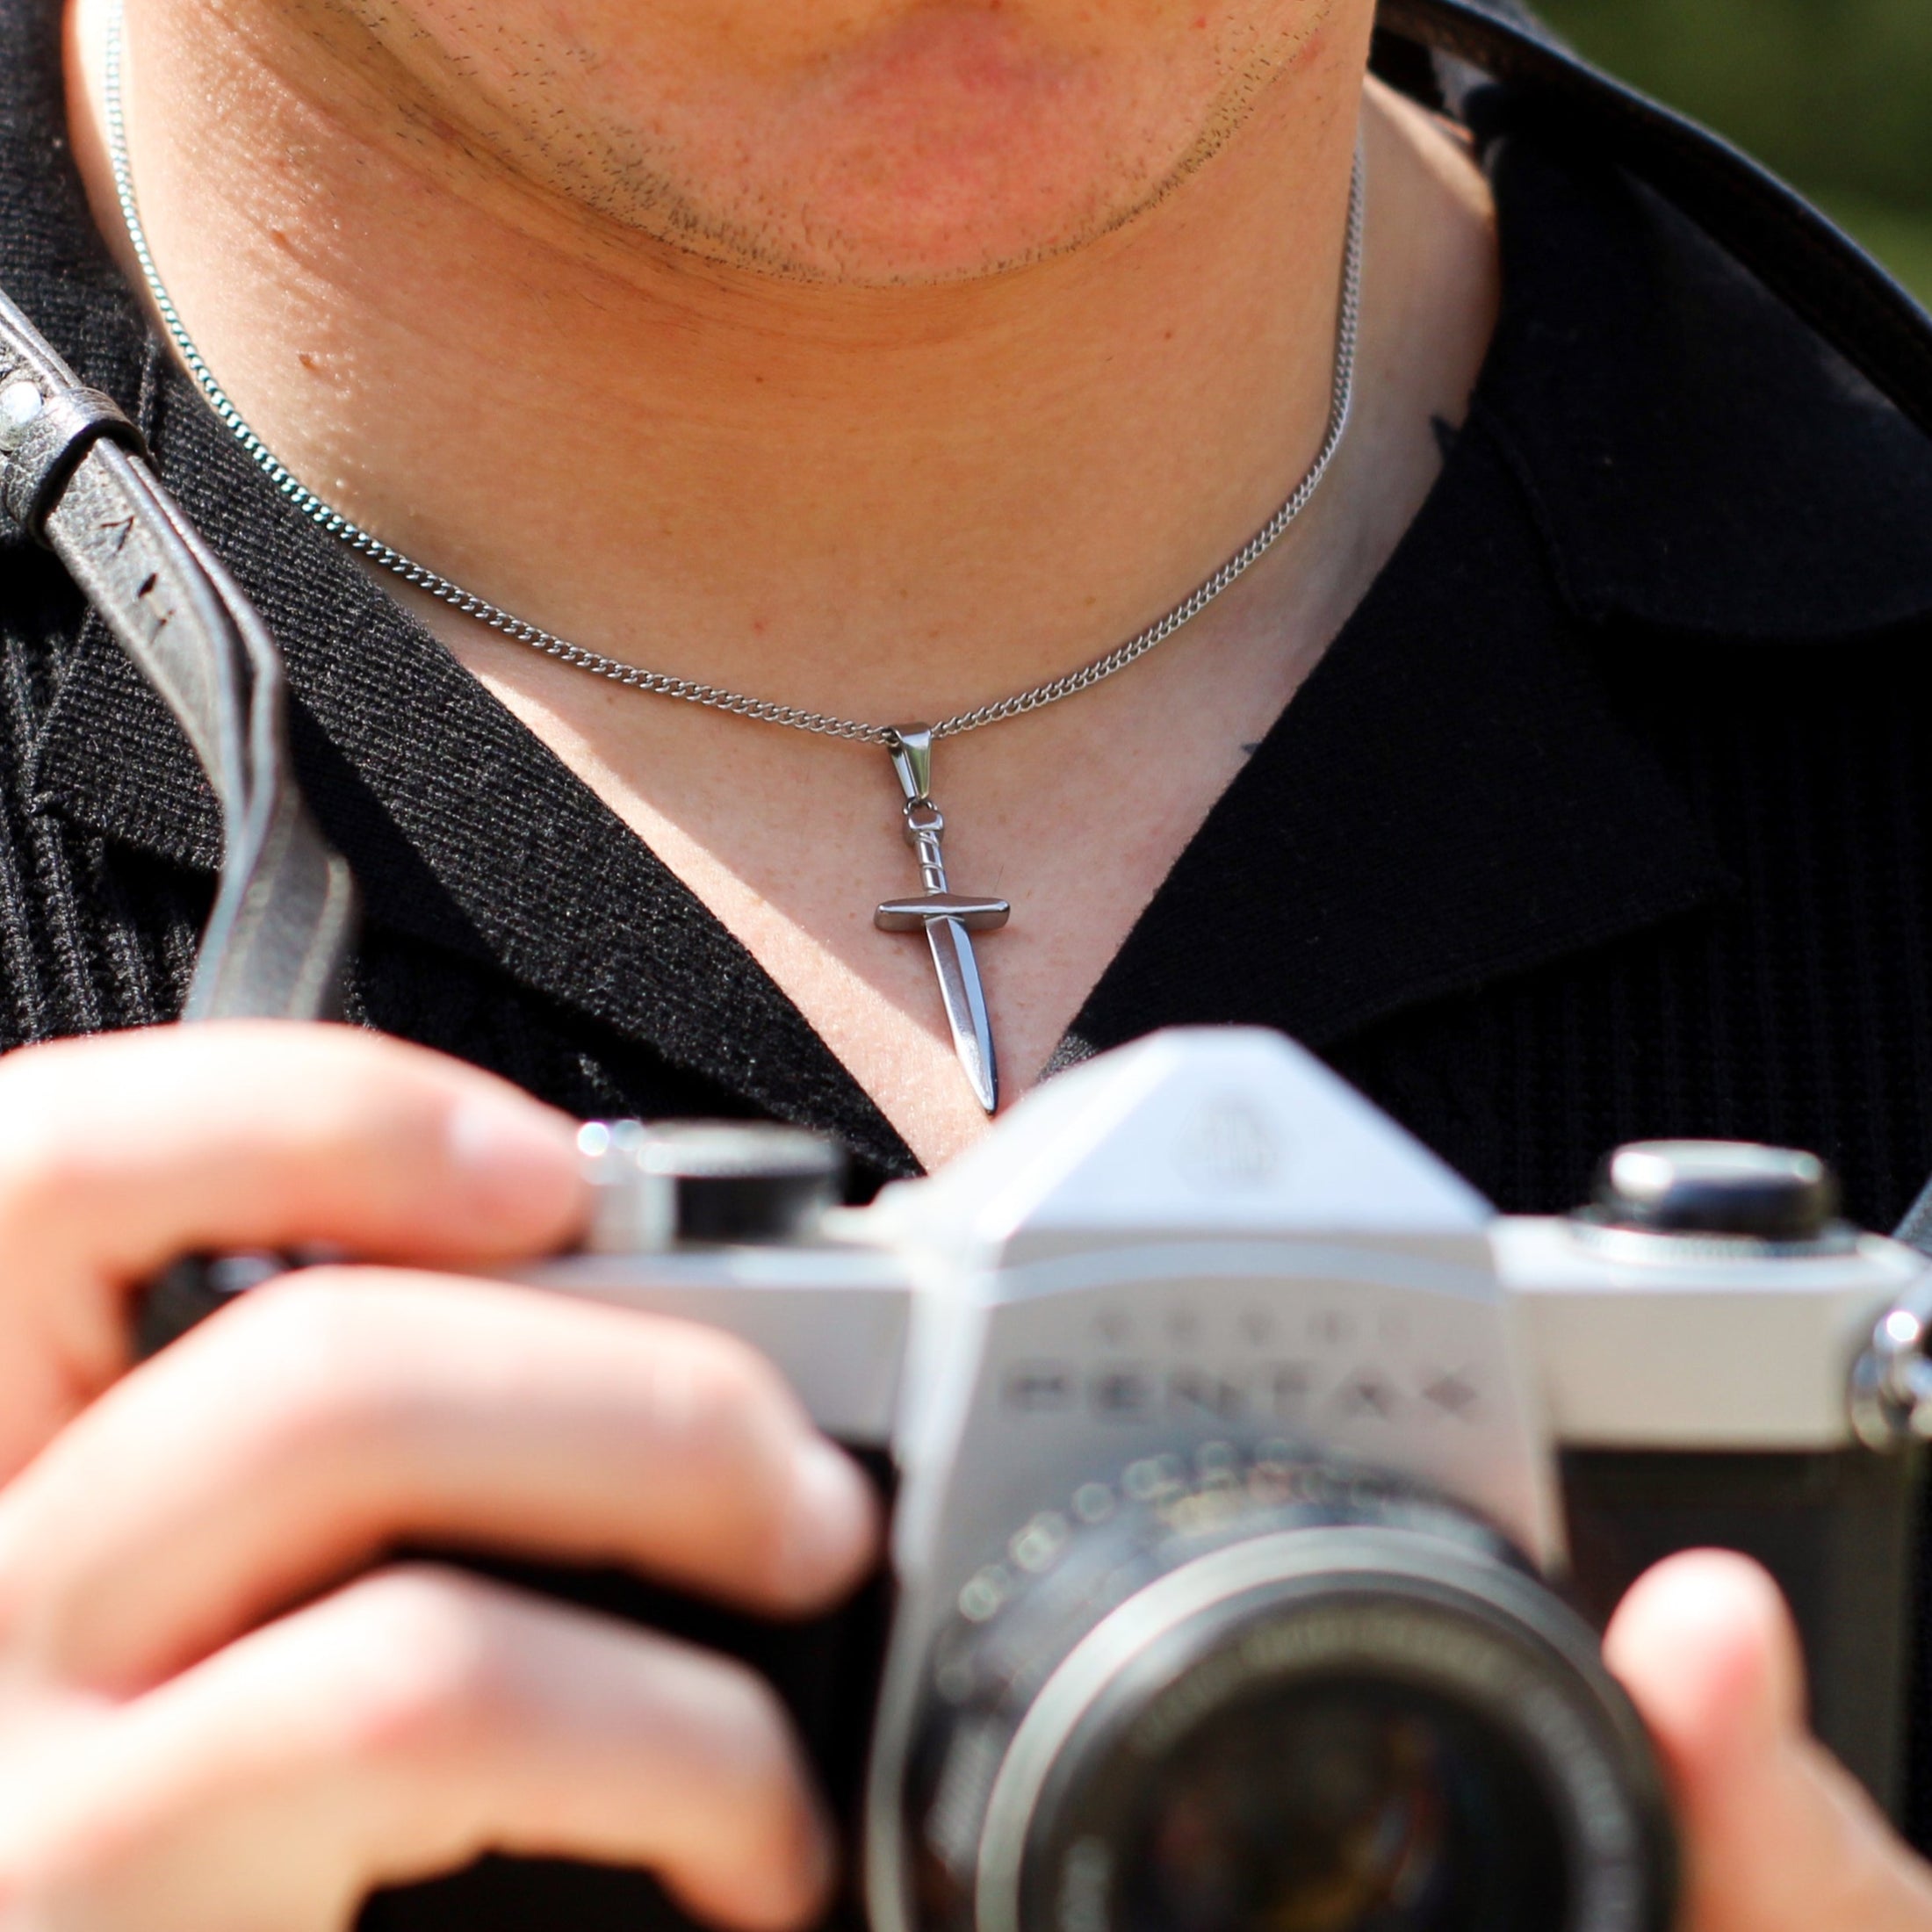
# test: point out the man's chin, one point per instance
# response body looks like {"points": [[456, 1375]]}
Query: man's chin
{"points": [[941, 144], [863, 215], [912, 233], [898, 198], [958, 144]]}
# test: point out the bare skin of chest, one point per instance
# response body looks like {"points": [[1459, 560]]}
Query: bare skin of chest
{"points": [[791, 841]]}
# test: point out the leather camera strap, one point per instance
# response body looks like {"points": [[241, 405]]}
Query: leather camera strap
{"points": [[73, 474]]}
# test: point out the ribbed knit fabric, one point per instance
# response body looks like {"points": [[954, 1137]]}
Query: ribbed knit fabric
{"points": [[1606, 817]]}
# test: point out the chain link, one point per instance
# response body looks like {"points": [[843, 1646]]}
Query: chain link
{"points": [[661, 683]]}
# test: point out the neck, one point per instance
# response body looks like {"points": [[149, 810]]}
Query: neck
{"points": [[883, 499]]}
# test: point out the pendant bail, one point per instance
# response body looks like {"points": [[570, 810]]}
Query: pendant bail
{"points": [[911, 747]]}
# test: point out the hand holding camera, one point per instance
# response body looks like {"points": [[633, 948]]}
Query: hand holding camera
{"points": [[203, 1725]]}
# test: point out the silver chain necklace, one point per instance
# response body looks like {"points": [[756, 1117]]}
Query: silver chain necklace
{"points": [[946, 917]]}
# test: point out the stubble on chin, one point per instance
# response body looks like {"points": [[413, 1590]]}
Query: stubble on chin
{"points": [[944, 143]]}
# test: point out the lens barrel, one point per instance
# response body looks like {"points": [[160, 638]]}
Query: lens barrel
{"points": [[1269, 1695]]}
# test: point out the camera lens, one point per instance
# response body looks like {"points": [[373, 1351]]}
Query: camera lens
{"points": [[1277, 1698], [1349, 1805]]}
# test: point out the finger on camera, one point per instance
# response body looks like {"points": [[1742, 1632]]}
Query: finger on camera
{"points": [[1779, 1836], [332, 1415], [401, 1727], [1710, 1644], [119, 1152]]}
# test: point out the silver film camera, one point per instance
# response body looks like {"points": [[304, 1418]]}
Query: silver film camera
{"points": [[1258, 1486]]}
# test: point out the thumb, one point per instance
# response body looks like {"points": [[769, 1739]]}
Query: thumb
{"points": [[1778, 1836]]}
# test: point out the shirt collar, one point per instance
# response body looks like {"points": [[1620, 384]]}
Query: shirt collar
{"points": [[1696, 457]]}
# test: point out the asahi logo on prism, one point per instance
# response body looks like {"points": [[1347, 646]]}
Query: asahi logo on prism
{"points": [[1229, 1146]]}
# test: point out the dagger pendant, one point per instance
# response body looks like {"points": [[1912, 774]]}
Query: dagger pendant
{"points": [[949, 918]]}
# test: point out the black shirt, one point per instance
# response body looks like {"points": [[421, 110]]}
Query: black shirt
{"points": [[1606, 815]]}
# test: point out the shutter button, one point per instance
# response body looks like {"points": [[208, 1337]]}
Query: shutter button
{"points": [[1716, 1187]]}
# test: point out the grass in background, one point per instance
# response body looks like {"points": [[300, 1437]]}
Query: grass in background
{"points": [[1835, 95], [1900, 238]]}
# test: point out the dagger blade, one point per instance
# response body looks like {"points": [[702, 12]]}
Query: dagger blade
{"points": [[965, 1001]]}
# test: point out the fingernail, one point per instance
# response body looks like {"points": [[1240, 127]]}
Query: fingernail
{"points": [[519, 1162], [833, 1515]]}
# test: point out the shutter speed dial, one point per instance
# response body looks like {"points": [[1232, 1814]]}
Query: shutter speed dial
{"points": [[1721, 1188]]}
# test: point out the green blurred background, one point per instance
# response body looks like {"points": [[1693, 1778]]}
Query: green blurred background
{"points": [[1835, 95]]}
